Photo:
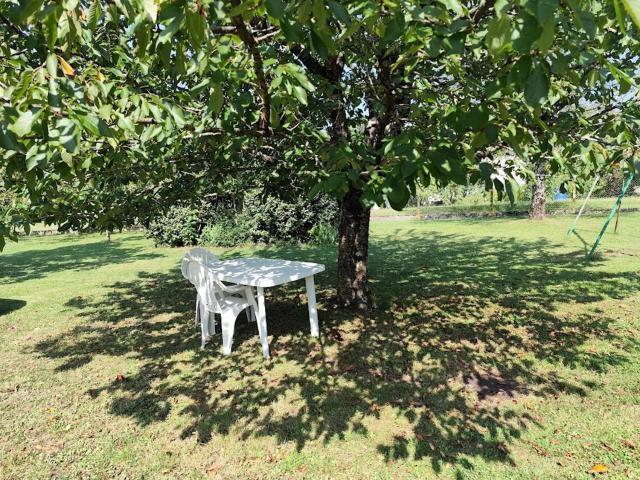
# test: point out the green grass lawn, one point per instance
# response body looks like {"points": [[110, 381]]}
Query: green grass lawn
{"points": [[464, 207], [493, 351]]}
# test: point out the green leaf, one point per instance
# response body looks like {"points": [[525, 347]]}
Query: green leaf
{"points": [[170, 30], [501, 7], [300, 93], [8, 140], [336, 183], [512, 190], [180, 60], [28, 8], [23, 85], [339, 12], [620, 17], [292, 31], [216, 99], [397, 192], [126, 124], [587, 21], [537, 87], [520, 71], [476, 118], [150, 9], [196, 28], [548, 35], [275, 8], [394, 29], [35, 156], [543, 10], [633, 8], [498, 36], [454, 5], [143, 37], [301, 78], [69, 135], [525, 33], [24, 122], [95, 11], [51, 25], [178, 116], [53, 97], [90, 123], [318, 45]]}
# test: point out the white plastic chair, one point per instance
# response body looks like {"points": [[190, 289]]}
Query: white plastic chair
{"points": [[205, 257], [216, 297]]}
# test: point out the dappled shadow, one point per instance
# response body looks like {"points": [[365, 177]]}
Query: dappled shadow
{"points": [[8, 305], [460, 327], [38, 263]]}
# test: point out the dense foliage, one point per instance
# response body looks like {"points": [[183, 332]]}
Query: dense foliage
{"points": [[178, 227], [270, 219], [263, 219]]}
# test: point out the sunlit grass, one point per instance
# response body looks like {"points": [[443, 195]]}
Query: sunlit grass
{"points": [[493, 351]]}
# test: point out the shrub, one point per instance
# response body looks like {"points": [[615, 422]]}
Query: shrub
{"points": [[177, 227], [270, 219], [225, 233], [323, 234]]}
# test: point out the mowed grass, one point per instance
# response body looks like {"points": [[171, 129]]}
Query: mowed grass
{"points": [[494, 351], [464, 207]]}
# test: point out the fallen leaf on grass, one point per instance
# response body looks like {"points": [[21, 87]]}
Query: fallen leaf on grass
{"points": [[539, 450], [212, 471], [599, 468], [348, 368], [629, 443]]}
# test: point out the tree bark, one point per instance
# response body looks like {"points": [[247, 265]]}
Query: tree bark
{"points": [[353, 251], [537, 209]]}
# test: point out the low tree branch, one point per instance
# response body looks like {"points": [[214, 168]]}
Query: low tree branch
{"points": [[263, 87]]}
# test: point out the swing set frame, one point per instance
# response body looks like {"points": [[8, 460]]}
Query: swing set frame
{"points": [[615, 210]]}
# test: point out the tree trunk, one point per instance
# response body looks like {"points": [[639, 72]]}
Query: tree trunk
{"points": [[353, 251], [539, 192]]}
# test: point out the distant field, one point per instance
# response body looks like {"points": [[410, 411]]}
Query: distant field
{"points": [[462, 207]]}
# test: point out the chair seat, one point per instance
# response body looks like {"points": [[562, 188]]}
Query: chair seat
{"points": [[237, 304]]}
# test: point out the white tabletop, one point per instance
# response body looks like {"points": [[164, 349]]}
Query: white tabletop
{"points": [[263, 272]]}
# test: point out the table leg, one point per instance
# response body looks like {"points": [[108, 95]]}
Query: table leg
{"points": [[262, 323], [313, 310]]}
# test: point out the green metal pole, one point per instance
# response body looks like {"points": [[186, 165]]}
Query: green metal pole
{"points": [[584, 204], [614, 210]]}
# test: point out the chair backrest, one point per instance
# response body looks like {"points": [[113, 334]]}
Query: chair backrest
{"points": [[198, 254], [196, 268]]}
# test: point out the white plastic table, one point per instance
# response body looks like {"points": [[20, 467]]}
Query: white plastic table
{"points": [[266, 272]]}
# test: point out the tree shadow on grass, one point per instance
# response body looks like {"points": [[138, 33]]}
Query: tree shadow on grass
{"points": [[38, 263], [8, 305], [460, 328]]}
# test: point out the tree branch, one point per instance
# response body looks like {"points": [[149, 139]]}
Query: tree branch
{"points": [[309, 62], [263, 87], [482, 10], [10, 24]]}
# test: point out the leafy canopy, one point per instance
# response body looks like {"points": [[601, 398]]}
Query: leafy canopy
{"points": [[104, 105]]}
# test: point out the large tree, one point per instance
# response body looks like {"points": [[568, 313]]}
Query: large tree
{"points": [[360, 99]]}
